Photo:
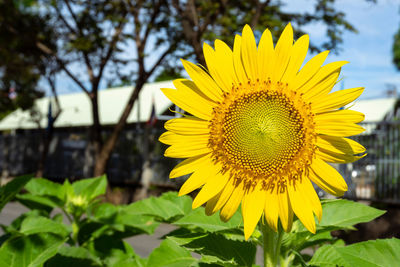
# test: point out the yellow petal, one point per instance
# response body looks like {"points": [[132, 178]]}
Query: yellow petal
{"points": [[210, 206], [339, 145], [171, 138], [225, 194], [237, 60], [271, 209], [249, 53], [309, 70], [322, 88], [188, 126], [233, 203], [343, 129], [252, 208], [211, 188], [333, 157], [188, 97], [285, 211], [322, 74], [203, 81], [266, 56], [344, 115], [309, 191], [188, 147], [336, 100], [301, 205], [282, 52], [221, 67], [198, 178], [327, 178], [190, 165], [297, 56]]}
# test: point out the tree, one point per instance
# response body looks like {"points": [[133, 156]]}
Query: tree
{"points": [[396, 49], [22, 64], [200, 21]]}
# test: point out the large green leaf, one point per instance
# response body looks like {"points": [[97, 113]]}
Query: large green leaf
{"points": [[337, 214], [12, 188], [44, 187], [90, 188], [73, 256], [216, 248], [112, 251], [198, 219], [29, 251], [167, 208], [39, 224], [45, 203], [376, 253], [170, 254], [345, 213], [119, 217]]}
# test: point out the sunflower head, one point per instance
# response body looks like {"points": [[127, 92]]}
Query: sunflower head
{"points": [[261, 129]]}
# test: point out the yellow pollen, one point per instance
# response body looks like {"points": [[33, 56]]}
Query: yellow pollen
{"points": [[261, 131]]}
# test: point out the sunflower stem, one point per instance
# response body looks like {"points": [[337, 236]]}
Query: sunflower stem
{"points": [[271, 245]]}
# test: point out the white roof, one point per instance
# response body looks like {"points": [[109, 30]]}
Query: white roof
{"points": [[374, 110], [76, 108]]}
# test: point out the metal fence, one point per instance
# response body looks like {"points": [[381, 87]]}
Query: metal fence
{"points": [[69, 156], [376, 176]]}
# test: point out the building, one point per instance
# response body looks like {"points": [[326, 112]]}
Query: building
{"points": [[22, 131]]}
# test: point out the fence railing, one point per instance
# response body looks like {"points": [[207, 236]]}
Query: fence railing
{"points": [[376, 176]]}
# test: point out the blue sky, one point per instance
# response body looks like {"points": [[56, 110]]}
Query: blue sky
{"points": [[369, 50]]}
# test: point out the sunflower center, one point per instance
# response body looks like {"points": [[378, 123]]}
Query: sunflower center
{"points": [[262, 132]]}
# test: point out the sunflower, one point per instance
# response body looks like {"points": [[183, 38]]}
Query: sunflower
{"points": [[261, 129]]}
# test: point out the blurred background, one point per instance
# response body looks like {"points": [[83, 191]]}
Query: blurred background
{"points": [[80, 83]]}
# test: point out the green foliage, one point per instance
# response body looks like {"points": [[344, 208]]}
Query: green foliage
{"points": [[95, 232], [383, 252], [22, 63], [29, 250], [396, 49], [8, 191]]}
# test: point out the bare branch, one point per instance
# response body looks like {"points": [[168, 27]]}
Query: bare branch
{"points": [[117, 32], [64, 20], [154, 15], [259, 9], [62, 65]]}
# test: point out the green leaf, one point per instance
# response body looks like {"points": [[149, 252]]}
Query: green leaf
{"points": [[16, 223], [375, 253], [73, 256], [8, 191], [119, 217], [170, 254], [198, 219], [113, 250], [45, 203], [90, 188], [31, 250], [345, 213], [216, 248], [337, 214], [44, 187], [39, 224], [167, 208]]}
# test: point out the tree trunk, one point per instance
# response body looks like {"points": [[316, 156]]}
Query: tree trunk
{"points": [[46, 140], [108, 147], [95, 143]]}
